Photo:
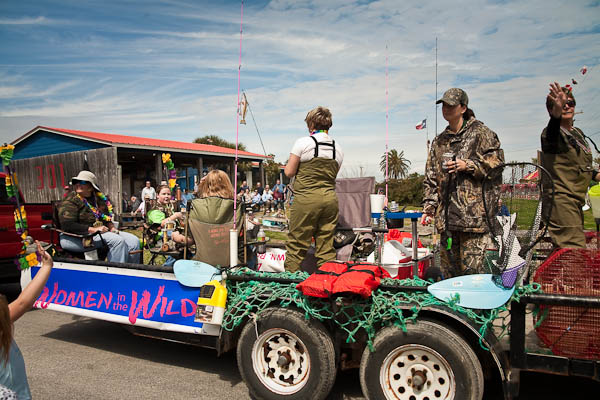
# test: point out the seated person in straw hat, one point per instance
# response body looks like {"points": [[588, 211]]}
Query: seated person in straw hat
{"points": [[86, 210]]}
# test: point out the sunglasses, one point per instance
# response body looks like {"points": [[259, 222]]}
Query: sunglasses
{"points": [[570, 103], [76, 182]]}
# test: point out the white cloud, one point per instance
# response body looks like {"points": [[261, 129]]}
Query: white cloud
{"points": [[174, 68]]}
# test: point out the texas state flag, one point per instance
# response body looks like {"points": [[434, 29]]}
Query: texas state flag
{"points": [[422, 125]]}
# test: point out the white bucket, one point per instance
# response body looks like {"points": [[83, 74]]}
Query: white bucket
{"points": [[377, 201]]}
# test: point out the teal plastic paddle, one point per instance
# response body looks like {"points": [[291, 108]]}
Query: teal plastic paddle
{"points": [[195, 273]]}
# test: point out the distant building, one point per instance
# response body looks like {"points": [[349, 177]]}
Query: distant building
{"points": [[46, 158]]}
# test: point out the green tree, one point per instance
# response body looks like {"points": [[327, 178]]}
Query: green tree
{"points": [[271, 170], [397, 164], [218, 141]]}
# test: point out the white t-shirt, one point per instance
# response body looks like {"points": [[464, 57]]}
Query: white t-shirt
{"points": [[305, 148], [148, 192]]}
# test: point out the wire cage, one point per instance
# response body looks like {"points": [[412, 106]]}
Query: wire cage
{"points": [[517, 198], [570, 331]]}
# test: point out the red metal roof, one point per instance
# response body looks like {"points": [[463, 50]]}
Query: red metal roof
{"points": [[149, 142]]}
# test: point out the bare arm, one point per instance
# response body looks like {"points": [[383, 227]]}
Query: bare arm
{"points": [[291, 168], [25, 300]]}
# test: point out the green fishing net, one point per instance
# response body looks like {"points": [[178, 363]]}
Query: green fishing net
{"points": [[354, 316]]}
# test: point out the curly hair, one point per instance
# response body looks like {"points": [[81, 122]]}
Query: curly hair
{"points": [[216, 184]]}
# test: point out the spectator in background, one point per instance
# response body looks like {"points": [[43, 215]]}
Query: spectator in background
{"points": [[279, 195], [244, 186], [134, 203], [148, 191], [247, 196], [256, 201], [267, 199], [502, 209], [67, 190], [259, 188], [186, 197]]}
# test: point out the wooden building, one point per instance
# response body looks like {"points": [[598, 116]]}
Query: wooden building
{"points": [[46, 158]]}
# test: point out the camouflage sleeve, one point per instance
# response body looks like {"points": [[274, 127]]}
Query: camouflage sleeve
{"points": [[488, 154], [430, 184], [68, 216]]}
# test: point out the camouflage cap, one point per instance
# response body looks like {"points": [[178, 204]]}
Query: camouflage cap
{"points": [[453, 97]]}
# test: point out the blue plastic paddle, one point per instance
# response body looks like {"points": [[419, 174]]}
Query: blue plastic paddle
{"points": [[471, 291]]}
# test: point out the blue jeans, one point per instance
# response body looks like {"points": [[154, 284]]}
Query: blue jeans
{"points": [[119, 246]]}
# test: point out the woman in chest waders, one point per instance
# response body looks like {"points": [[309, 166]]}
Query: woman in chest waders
{"points": [[314, 161]]}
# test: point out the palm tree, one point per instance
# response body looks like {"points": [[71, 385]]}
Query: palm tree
{"points": [[397, 164]]}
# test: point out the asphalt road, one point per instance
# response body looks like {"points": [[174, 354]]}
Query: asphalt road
{"points": [[69, 357]]}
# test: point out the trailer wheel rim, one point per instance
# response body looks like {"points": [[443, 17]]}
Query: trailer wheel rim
{"points": [[416, 372], [281, 361]]}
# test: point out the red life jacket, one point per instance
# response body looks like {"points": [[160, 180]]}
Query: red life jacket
{"points": [[320, 283], [360, 279], [336, 277]]}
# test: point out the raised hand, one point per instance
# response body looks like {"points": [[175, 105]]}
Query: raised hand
{"points": [[559, 98]]}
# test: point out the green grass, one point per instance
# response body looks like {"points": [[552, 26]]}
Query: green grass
{"points": [[526, 209]]}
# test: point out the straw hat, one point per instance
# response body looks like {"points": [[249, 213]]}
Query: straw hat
{"points": [[86, 176]]}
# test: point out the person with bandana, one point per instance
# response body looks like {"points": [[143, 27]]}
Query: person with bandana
{"points": [[568, 157], [86, 210], [314, 163]]}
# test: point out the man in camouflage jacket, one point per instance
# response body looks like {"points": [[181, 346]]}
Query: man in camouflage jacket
{"points": [[453, 189]]}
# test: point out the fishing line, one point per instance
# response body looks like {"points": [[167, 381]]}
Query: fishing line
{"points": [[255, 126]]}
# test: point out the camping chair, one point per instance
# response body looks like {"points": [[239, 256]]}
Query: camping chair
{"points": [[211, 239], [89, 253], [515, 235], [354, 212]]}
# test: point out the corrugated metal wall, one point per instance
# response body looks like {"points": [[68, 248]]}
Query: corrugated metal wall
{"points": [[41, 179], [44, 143]]}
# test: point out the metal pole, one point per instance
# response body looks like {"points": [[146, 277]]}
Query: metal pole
{"points": [[436, 86], [415, 241]]}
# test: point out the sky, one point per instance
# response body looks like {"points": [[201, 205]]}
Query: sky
{"points": [[169, 70]]}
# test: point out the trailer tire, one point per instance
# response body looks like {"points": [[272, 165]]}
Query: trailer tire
{"points": [[298, 342], [428, 361]]}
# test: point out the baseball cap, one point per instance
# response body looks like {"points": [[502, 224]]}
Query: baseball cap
{"points": [[453, 97]]}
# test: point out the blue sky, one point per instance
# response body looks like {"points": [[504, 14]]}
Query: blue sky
{"points": [[169, 69]]}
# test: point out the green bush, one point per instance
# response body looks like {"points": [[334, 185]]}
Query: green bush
{"points": [[406, 192]]}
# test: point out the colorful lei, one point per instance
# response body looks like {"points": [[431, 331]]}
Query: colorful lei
{"points": [[100, 216], [166, 159], [22, 260]]}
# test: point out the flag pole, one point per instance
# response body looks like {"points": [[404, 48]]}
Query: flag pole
{"points": [[427, 133]]}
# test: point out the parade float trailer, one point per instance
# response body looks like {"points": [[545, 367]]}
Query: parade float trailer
{"points": [[407, 343], [457, 338]]}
